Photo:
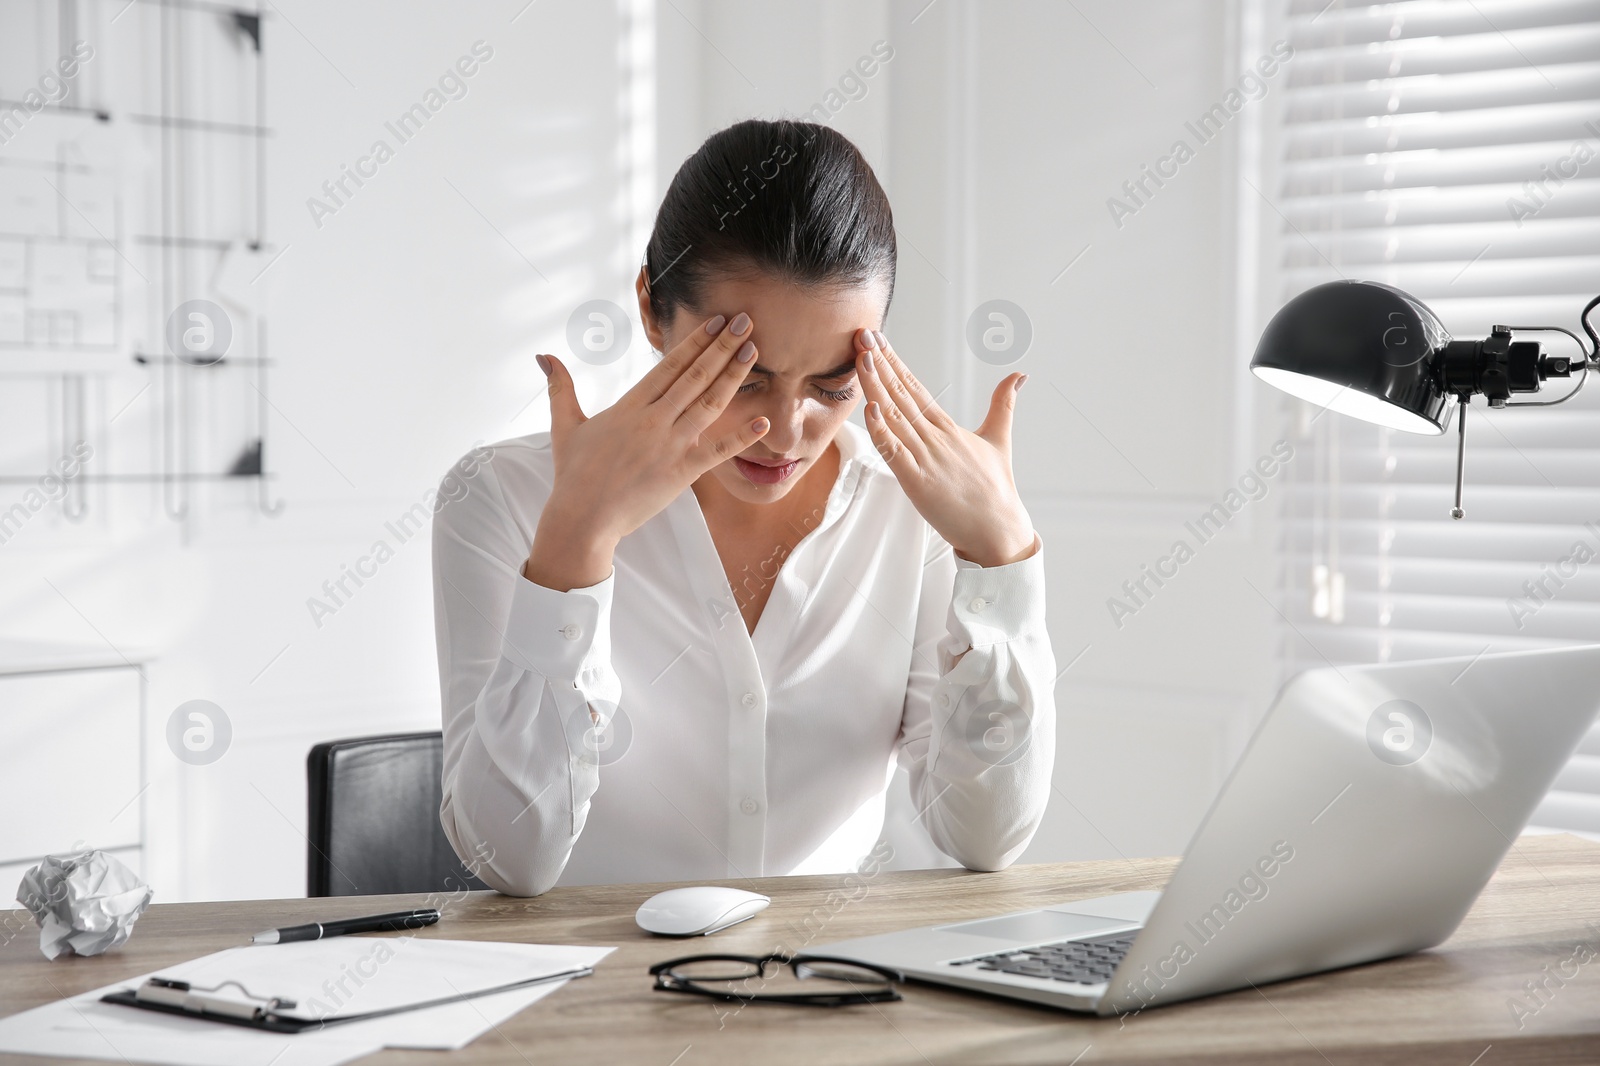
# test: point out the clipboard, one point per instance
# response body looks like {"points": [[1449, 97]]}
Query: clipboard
{"points": [[271, 1013]]}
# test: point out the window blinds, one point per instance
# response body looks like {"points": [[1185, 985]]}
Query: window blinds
{"points": [[1450, 148]]}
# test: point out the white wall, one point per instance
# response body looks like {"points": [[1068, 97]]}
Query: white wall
{"points": [[405, 326], [409, 334]]}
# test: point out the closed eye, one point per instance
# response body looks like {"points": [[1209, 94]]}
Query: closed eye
{"points": [[835, 395]]}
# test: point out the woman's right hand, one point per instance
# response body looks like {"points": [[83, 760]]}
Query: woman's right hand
{"points": [[616, 470]]}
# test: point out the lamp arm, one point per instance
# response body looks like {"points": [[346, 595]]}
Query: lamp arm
{"points": [[1591, 353], [1588, 354], [1588, 358], [1551, 403], [1591, 358]]}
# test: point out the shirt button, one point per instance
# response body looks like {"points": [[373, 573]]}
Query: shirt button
{"points": [[748, 699], [572, 631], [749, 806], [944, 699], [978, 604]]}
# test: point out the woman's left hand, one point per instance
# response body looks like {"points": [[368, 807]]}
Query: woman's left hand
{"points": [[960, 481]]}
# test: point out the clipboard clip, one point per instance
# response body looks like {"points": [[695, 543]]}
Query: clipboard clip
{"points": [[162, 991]]}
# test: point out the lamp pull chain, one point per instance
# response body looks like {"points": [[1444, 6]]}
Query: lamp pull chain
{"points": [[1461, 455]]}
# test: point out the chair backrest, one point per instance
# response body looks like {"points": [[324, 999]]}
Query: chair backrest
{"points": [[373, 816]]}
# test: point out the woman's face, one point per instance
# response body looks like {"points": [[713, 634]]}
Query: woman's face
{"points": [[803, 379]]}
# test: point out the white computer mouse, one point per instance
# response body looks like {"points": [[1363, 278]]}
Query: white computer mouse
{"points": [[698, 910]]}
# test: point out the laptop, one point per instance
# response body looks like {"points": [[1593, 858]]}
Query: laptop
{"points": [[1367, 812]]}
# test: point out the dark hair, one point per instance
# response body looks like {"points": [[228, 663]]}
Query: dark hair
{"points": [[794, 200]]}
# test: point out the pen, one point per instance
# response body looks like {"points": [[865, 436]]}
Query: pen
{"points": [[392, 923]]}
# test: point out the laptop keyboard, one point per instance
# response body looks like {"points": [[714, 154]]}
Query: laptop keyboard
{"points": [[1079, 962]]}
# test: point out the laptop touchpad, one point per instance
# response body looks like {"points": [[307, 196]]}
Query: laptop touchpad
{"points": [[1036, 927]]}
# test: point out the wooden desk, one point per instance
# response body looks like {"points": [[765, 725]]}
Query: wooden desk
{"points": [[1450, 1005]]}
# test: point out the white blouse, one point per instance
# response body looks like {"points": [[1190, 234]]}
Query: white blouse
{"points": [[724, 753]]}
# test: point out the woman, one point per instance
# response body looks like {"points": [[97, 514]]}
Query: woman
{"points": [[689, 636]]}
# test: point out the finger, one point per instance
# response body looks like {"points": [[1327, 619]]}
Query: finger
{"points": [[996, 428], [660, 377], [924, 400], [893, 450], [565, 412], [709, 405], [878, 383], [708, 453], [698, 376]]}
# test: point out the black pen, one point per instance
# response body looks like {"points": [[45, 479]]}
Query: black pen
{"points": [[389, 923]]}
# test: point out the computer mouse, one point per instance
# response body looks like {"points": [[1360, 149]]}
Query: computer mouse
{"points": [[699, 910]]}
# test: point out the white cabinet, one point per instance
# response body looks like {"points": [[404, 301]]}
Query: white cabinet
{"points": [[71, 766]]}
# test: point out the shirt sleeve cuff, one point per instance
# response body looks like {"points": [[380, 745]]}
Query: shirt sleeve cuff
{"points": [[560, 635], [994, 604]]}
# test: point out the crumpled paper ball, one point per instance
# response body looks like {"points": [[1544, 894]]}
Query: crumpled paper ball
{"points": [[84, 901]]}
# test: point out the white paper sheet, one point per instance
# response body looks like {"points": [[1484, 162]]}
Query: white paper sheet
{"points": [[83, 1026]]}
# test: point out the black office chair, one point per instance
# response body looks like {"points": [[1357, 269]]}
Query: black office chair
{"points": [[373, 817]]}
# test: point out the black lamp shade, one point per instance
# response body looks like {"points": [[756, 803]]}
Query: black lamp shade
{"points": [[1362, 349]]}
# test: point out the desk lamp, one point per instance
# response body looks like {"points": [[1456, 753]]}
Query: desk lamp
{"points": [[1376, 353]]}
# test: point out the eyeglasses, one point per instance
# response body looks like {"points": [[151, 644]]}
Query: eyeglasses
{"points": [[745, 979]]}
